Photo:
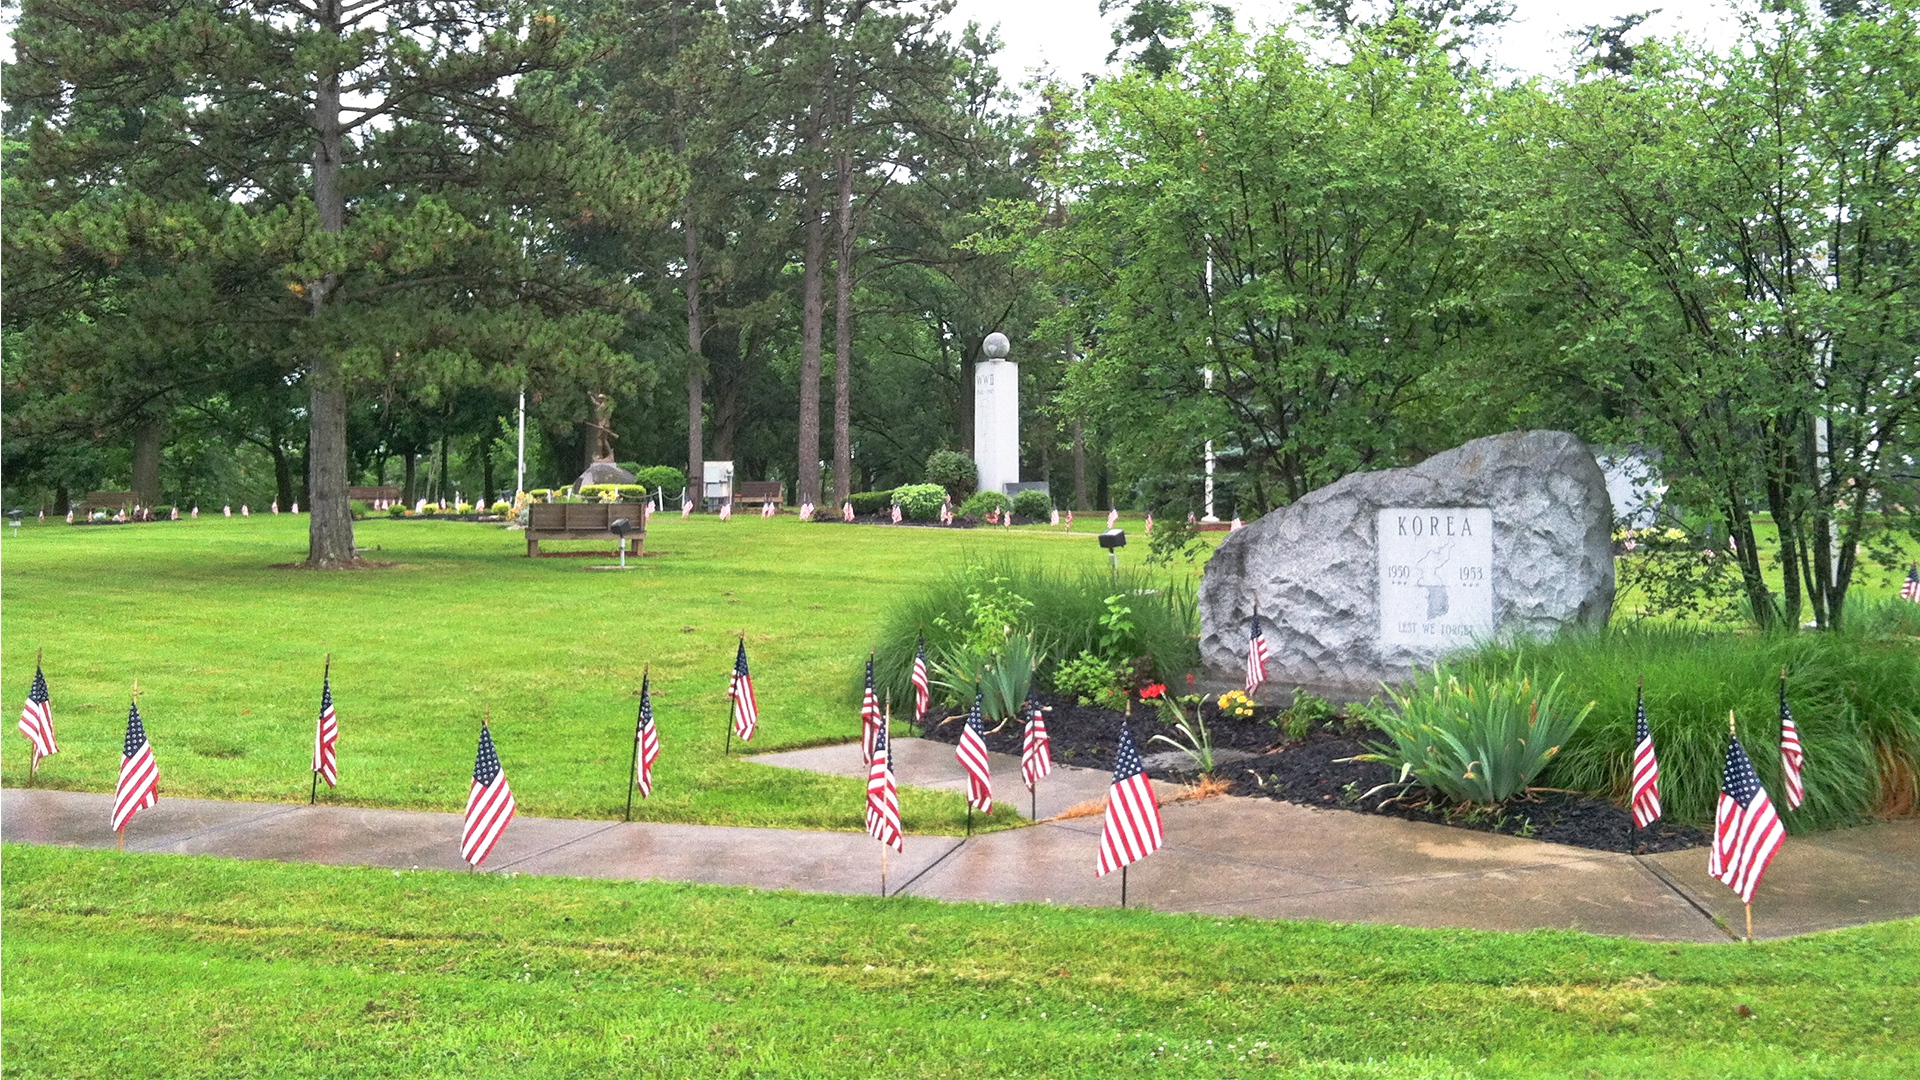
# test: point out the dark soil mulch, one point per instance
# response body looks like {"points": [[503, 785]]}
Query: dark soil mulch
{"points": [[1315, 771]]}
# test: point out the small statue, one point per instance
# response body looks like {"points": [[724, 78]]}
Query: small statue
{"points": [[600, 428]]}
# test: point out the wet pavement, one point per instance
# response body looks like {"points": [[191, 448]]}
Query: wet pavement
{"points": [[1223, 855]]}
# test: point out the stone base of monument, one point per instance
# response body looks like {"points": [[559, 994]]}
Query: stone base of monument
{"points": [[1379, 573]]}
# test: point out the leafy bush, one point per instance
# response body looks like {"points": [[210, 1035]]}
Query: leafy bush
{"points": [[661, 478], [541, 494], [396, 510], [1856, 703], [953, 471], [920, 502], [1063, 612], [983, 503], [1000, 673], [1034, 505], [870, 502], [501, 508], [359, 508], [1477, 740], [1088, 678], [1174, 539]]}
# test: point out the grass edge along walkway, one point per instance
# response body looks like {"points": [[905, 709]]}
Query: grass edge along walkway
{"points": [[123, 964]]}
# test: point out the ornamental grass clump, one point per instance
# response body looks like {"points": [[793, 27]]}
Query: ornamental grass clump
{"points": [[1479, 742]]}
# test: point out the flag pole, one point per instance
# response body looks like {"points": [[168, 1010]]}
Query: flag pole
{"points": [[633, 770], [1123, 886], [888, 730], [1749, 922], [1639, 834], [969, 817], [733, 688], [121, 832], [313, 796]]}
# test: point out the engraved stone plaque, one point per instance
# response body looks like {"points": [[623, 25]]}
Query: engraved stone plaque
{"points": [[1436, 576]]}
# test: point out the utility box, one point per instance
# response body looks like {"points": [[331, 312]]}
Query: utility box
{"points": [[716, 483]]}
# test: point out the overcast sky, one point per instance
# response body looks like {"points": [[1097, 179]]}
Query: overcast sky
{"points": [[1072, 38]]}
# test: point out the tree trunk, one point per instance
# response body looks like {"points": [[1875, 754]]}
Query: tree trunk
{"points": [[410, 469], [282, 476], [446, 482], [843, 337], [486, 471], [62, 499], [812, 315], [147, 438], [1080, 467], [330, 528], [696, 359]]}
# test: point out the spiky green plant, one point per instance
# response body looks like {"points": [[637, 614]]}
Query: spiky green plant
{"points": [[1477, 740]]}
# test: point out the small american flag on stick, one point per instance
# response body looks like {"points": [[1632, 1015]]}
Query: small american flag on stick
{"points": [[922, 686], [1791, 756], [1911, 590], [972, 755], [746, 711], [1036, 756], [326, 732], [36, 720], [871, 722], [1256, 655], [139, 783], [1132, 829], [489, 803], [883, 795], [1746, 830], [1646, 768], [646, 740]]}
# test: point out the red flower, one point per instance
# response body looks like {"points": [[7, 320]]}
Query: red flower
{"points": [[1153, 690]]}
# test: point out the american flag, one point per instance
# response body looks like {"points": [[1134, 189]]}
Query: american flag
{"points": [[325, 733], [36, 720], [1911, 590], [1149, 528], [646, 739], [1132, 830], [896, 513], [1791, 756], [1113, 517], [1256, 656], [726, 510], [922, 687], [1056, 515], [870, 719], [139, 785], [1235, 525], [489, 803], [686, 509], [1746, 831], [1036, 758], [1646, 768], [972, 755], [1069, 519], [746, 711], [883, 796], [846, 511]]}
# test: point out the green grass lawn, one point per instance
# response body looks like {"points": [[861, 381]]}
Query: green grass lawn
{"points": [[228, 652], [153, 966]]}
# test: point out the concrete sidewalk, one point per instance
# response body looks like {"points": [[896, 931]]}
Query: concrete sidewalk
{"points": [[1225, 856]]}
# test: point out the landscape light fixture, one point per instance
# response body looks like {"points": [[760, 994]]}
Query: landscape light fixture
{"points": [[620, 527], [16, 515], [1113, 540]]}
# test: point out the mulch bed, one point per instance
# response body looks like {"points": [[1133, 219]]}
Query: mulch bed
{"points": [[1315, 771]]}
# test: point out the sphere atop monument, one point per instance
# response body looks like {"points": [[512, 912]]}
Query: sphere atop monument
{"points": [[996, 346]]}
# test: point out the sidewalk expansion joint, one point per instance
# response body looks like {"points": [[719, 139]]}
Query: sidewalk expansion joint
{"points": [[1666, 879], [563, 844], [905, 885]]}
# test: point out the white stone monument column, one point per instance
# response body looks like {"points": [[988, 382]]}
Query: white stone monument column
{"points": [[996, 416]]}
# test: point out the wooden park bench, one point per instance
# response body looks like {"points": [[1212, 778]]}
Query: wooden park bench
{"points": [[379, 497], [759, 493], [104, 500], [584, 521]]}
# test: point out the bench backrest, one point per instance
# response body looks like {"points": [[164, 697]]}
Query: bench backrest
{"points": [[758, 489], [387, 492], [575, 517], [103, 499]]}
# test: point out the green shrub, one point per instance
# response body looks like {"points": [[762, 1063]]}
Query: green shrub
{"points": [[921, 502], [1478, 740], [396, 510], [1088, 678], [359, 508], [1064, 610], [1033, 505], [501, 508], [954, 471], [163, 512], [983, 503], [870, 502], [541, 494], [1856, 703], [619, 492], [661, 478]]}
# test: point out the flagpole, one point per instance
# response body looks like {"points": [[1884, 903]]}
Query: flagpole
{"points": [[1123, 886], [633, 770], [121, 832], [1749, 922], [733, 688], [887, 730], [1633, 811]]}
